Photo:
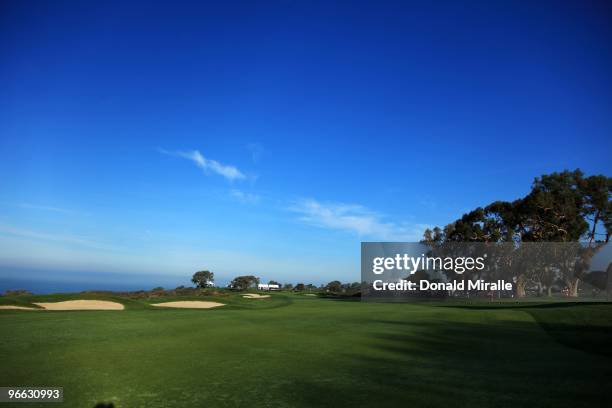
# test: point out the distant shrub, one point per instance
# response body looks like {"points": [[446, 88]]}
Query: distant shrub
{"points": [[154, 293], [334, 287], [98, 292], [17, 292]]}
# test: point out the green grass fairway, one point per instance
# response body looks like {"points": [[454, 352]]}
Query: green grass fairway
{"points": [[292, 350]]}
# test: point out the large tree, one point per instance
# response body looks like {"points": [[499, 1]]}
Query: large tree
{"points": [[561, 207], [244, 282], [334, 286], [203, 279], [554, 209], [597, 208]]}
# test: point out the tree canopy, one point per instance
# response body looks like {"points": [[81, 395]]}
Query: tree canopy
{"points": [[244, 282], [561, 207], [203, 279], [565, 207], [334, 286]]}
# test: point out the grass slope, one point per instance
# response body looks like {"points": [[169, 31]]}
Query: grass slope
{"points": [[304, 351]]}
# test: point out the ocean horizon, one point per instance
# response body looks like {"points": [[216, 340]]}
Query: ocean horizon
{"points": [[45, 282]]}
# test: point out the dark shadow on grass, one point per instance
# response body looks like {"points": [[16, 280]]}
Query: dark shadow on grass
{"points": [[552, 305], [340, 298], [585, 326], [441, 362]]}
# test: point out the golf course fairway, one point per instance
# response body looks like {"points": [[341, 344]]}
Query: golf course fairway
{"points": [[303, 351]]}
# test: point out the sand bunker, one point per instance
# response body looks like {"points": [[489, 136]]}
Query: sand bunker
{"points": [[81, 305], [255, 296], [13, 307], [193, 304]]}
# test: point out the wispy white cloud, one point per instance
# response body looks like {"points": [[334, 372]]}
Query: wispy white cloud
{"points": [[356, 219], [229, 172], [45, 208], [8, 230], [244, 197]]}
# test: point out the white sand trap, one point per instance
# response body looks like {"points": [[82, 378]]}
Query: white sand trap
{"points": [[192, 304], [310, 294], [82, 305], [13, 307], [255, 296]]}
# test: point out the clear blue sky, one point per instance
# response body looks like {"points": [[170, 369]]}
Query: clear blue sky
{"points": [[272, 137]]}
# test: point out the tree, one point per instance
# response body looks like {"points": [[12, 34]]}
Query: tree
{"points": [[608, 223], [203, 279], [273, 282], [288, 286], [561, 207], [244, 282], [299, 287], [334, 286], [554, 209], [596, 191]]}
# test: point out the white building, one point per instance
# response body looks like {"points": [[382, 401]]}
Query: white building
{"points": [[265, 286]]}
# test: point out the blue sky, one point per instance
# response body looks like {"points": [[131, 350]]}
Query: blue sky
{"points": [[160, 138]]}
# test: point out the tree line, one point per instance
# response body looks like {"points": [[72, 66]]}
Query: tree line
{"points": [[205, 279], [565, 207]]}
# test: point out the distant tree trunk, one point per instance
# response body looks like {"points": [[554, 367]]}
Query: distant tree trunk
{"points": [[608, 281], [573, 287], [595, 221], [540, 289], [521, 282]]}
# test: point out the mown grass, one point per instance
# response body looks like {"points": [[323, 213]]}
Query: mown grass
{"points": [[304, 351]]}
